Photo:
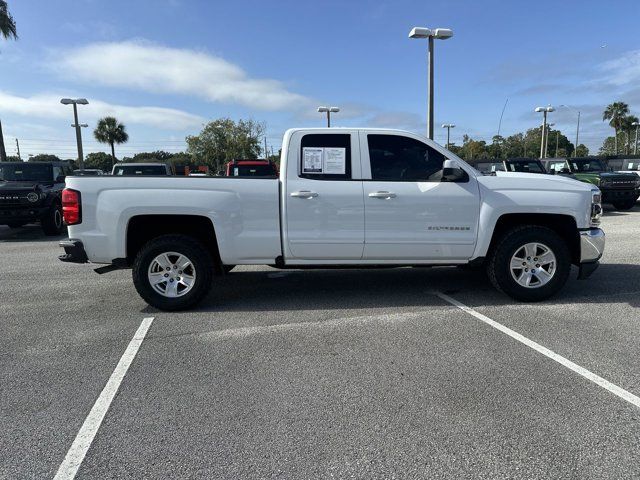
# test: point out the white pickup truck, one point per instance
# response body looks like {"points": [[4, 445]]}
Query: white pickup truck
{"points": [[344, 197]]}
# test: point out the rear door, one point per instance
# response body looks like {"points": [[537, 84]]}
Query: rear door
{"points": [[410, 213], [324, 206]]}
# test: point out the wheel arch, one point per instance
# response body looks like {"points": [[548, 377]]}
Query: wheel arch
{"points": [[143, 228], [564, 225]]}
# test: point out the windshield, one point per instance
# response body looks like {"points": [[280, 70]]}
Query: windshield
{"points": [[253, 171], [584, 166], [527, 166], [26, 172], [125, 170]]}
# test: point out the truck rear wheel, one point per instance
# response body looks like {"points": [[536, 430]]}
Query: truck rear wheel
{"points": [[173, 272], [52, 221], [624, 204], [530, 263]]}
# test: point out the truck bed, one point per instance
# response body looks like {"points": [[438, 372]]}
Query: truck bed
{"points": [[244, 212]]}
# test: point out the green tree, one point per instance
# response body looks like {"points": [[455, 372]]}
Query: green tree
{"points": [[45, 157], [100, 160], [615, 113], [582, 150], [224, 140], [110, 131], [7, 23], [13, 158]]}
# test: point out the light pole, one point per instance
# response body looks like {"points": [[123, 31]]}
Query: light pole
{"points": [[430, 34], [448, 126], [543, 144], [575, 151], [76, 124], [329, 111], [635, 146]]}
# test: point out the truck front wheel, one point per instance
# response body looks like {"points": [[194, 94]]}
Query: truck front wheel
{"points": [[173, 272], [529, 263]]}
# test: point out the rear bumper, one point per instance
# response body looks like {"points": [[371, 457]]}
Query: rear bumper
{"points": [[73, 251], [592, 243]]}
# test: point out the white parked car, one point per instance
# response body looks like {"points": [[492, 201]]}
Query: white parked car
{"points": [[344, 197]]}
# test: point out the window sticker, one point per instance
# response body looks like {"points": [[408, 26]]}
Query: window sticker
{"points": [[312, 160], [335, 160]]}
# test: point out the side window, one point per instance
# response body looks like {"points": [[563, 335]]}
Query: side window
{"points": [[326, 156], [397, 158]]}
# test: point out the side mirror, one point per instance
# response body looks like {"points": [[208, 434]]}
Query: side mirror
{"points": [[451, 172], [60, 178]]}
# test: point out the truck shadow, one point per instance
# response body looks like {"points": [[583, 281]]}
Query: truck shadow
{"points": [[299, 290]]}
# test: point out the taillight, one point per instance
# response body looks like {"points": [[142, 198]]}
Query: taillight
{"points": [[71, 208]]}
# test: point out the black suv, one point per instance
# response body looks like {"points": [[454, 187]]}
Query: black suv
{"points": [[31, 192]]}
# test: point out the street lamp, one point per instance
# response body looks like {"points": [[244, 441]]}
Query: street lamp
{"points": [[635, 147], [76, 124], [543, 144], [329, 111], [430, 34], [448, 126], [575, 151]]}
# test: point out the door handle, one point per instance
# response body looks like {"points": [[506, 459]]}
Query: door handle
{"points": [[383, 195], [304, 194]]}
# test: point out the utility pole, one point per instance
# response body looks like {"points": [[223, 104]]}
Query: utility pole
{"points": [[3, 152], [635, 146], [266, 152], [575, 152], [18, 147], [557, 137]]}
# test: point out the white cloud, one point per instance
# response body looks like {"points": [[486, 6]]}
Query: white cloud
{"points": [[155, 68], [48, 106], [623, 70]]}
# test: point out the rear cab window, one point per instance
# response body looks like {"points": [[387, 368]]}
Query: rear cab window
{"points": [[326, 156]]}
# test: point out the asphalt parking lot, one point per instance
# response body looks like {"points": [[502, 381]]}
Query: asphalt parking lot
{"points": [[320, 374]]}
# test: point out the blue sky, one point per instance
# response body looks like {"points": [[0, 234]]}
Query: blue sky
{"points": [[164, 67]]}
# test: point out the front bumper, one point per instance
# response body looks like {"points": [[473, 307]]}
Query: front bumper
{"points": [[21, 214], [612, 195], [73, 251], [591, 249]]}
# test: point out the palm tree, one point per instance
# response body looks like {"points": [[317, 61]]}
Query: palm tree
{"points": [[110, 131], [7, 30], [615, 113], [7, 24], [628, 128]]}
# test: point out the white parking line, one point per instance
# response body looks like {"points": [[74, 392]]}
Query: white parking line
{"points": [[72, 461], [607, 385]]}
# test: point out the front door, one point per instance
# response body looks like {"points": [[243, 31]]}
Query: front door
{"points": [[410, 213], [324, 212]]}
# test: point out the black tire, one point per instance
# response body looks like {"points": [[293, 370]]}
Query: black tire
{"points": [[14, 225], [182, 244], [228, 268], [52, 223], [512, 242], [624, 204]]}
